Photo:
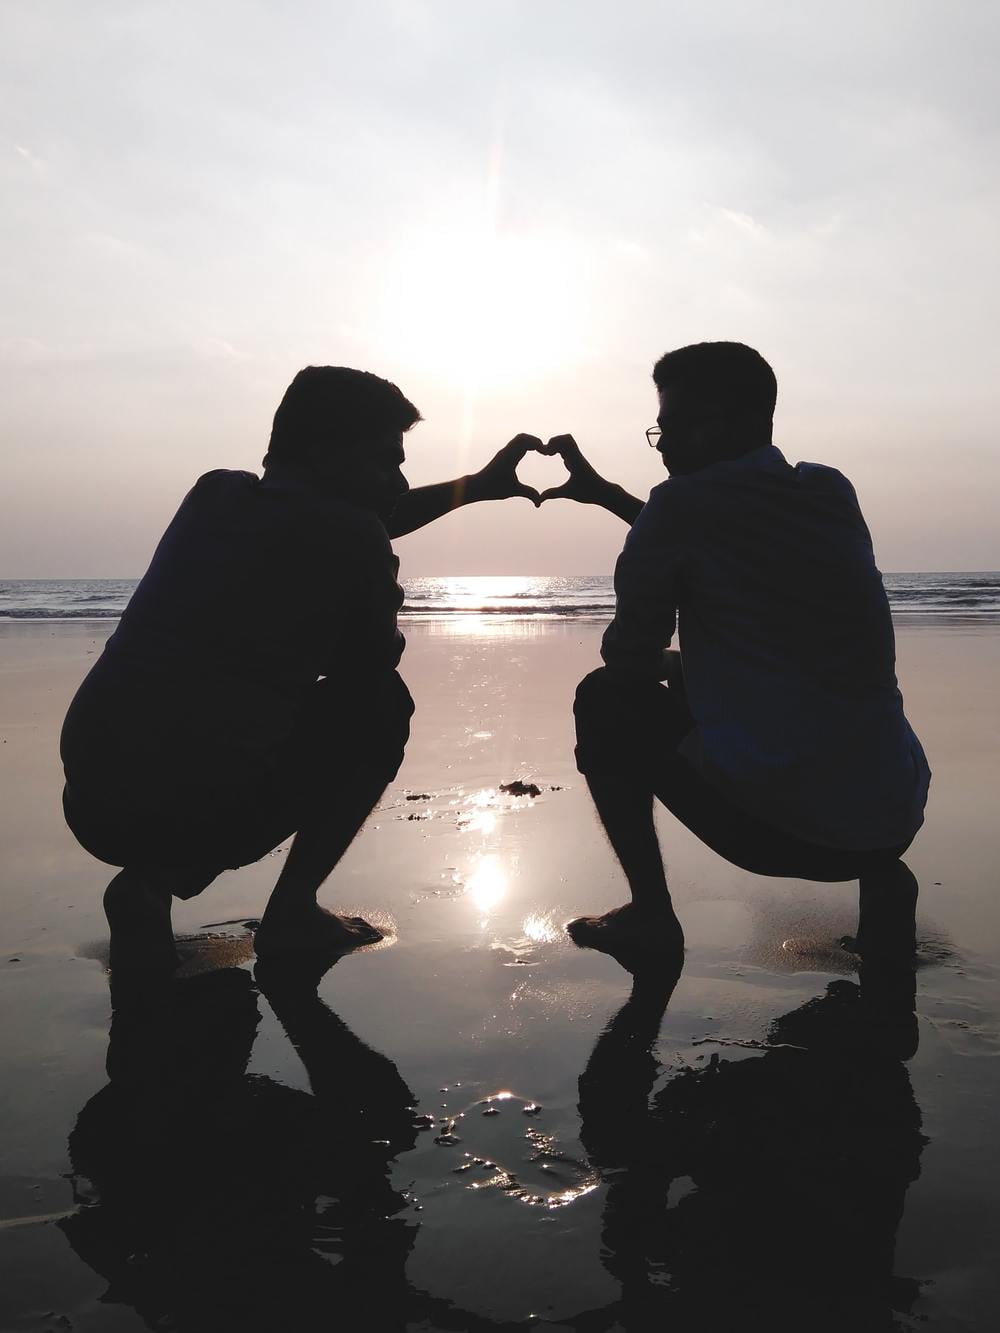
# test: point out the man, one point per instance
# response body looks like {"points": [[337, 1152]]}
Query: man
{"points": [[250, 690], [779, 737]]}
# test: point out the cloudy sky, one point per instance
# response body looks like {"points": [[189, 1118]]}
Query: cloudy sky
{"points": [[511, 208]]}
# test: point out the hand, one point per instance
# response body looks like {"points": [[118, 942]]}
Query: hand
{"points": [[498, 480], [584, 484]]}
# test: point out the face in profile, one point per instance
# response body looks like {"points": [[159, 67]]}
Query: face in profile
{"points": [[368, 473], [682, 434]]}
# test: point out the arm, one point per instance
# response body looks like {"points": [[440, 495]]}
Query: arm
{"points": [[496, 481], [646, 589], [587, 486]]}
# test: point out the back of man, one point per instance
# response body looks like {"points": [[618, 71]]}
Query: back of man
{"points": [[787, 646], [256, 589]]}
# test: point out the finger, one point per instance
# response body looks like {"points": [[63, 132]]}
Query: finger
{"points": [[529, 493], [520, 445], [565, 446], [554, 493]]}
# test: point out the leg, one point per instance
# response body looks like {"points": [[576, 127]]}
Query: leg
{"points": [[623, 797], [137, 904], [628, 735], [293, 920], [364, 739], [887, 906]]}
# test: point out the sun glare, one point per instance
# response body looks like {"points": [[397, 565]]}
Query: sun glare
{"points": [[487, 885], [482, 310]]}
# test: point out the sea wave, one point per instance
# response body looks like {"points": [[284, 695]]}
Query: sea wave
{"points": [[945, 598], [526, 609], [61, 613]]}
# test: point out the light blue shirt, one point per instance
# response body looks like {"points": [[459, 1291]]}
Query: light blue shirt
{"points": [[768, 575]]}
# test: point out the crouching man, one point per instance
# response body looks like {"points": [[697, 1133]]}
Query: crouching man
{"points": [[777, 733], [250, 691]]}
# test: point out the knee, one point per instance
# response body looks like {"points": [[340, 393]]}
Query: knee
{"points": [[399, 710], [403, 699], [391, 730], [594, 693], [600, 726]]}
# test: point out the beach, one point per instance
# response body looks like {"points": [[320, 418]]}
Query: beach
{"points": [[593, 1204]]}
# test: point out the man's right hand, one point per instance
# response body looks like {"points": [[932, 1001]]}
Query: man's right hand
{"points": [[585, 484]]}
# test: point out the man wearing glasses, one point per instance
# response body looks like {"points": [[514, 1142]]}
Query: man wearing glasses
{"points": [[779, 736]]}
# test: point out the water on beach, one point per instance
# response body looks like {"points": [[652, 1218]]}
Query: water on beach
{"points": [[942, 597], [475, 1125]]}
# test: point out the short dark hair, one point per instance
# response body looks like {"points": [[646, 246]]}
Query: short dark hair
{"points": [[730, 377], [332, 406]]}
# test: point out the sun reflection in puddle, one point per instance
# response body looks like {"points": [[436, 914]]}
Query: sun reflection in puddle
{"points": [[487, 885], [487, 796], [480, 821]]}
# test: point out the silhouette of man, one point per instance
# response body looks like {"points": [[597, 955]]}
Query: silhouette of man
{"points": [[779, 736], [250, 690]]}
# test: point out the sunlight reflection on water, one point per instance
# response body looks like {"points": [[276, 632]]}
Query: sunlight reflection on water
{"points": [[487, 885]]}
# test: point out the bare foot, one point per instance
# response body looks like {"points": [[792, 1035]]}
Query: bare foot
{"points": [[137, 906], [628, 933], [312, 930]]}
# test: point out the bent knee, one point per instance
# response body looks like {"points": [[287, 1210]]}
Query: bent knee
{"points": [[595, 691]]}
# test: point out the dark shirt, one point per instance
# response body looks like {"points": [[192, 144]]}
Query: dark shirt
{"points": [[768, 574], [257, 588]]}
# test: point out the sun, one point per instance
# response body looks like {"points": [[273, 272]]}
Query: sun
{"points": [[483, 310]]}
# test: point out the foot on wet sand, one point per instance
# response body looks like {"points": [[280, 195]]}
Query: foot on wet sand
{"points": [[312, 930], [138, 912], [626, 930]]}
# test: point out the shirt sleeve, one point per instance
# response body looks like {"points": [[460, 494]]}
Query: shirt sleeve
{"points": [[646, 589]]}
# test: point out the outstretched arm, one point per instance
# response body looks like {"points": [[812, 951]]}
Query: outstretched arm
{"points": [[496, 481], [587, 486]]}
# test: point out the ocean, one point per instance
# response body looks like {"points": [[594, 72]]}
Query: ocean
{"points": [[943, 598]]}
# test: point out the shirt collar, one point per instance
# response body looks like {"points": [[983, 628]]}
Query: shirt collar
{"points": [[286, 477], [768, 458], [292, 477]]}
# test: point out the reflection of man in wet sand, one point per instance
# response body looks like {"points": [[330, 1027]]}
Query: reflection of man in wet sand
{"points": [[759, 1189], [217, 1199], [781, 742], [205, 736]]}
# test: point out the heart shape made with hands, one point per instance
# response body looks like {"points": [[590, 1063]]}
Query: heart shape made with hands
{"points": [[543, 469]]}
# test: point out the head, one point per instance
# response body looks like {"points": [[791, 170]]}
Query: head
{"points": [[344, 429], [716, 402]]}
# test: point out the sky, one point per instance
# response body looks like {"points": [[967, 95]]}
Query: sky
{"points": [[511, 208]]}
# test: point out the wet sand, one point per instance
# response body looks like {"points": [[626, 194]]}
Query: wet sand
{"points": [[783, 1147]]}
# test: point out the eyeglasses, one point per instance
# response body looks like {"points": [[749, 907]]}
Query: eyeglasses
{"points": [[653, 436]]}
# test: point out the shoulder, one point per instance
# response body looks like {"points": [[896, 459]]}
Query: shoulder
{"points": [[669, 503], [826, 484], [663, 521], [821, 477], [222, 482], [221, 478]]}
